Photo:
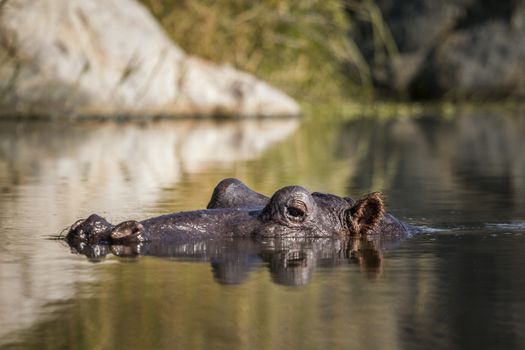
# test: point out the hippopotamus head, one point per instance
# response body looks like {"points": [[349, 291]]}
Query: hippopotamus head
{"points": [[95, 229], [291, 212], [295, 212]]}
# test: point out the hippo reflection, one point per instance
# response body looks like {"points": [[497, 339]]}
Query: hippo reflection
{"points": [[291, 261], [236, 211]]}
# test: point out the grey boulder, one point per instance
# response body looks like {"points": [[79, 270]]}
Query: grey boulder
{"points": [[104, 58]]}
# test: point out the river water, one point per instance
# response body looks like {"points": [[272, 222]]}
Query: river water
{"points": [[458, 283]]}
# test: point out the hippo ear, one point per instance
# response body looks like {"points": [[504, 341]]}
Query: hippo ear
{"points": [[365, 214], [128, 231]]}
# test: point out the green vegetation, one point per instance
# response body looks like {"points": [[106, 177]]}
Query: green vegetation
{"points": [[303, 47]]}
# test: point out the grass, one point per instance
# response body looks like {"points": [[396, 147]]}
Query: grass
{"points": [[300, 46]]}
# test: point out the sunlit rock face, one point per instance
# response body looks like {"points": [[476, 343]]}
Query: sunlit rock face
{"points": [[53, 173], [76, 57]]}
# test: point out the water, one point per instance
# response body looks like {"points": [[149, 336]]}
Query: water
{"points": [[458, 284]]}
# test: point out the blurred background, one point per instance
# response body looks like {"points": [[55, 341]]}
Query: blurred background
{"points": [[175, 57], [132, 109], [326, 51]]}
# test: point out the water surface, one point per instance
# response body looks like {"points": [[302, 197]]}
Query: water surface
{"points": [[458, 284]]}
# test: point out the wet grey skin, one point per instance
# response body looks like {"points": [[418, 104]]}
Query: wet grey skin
{"points": [[236, 211], [232, 193]]}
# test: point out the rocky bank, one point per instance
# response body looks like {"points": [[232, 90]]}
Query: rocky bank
{"points": [[107, 58]]}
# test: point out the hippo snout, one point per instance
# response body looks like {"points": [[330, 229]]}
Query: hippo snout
{"points": [[94, 229]]}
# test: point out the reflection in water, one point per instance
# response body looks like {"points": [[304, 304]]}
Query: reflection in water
{"points": [[291, 261], [92, 165], [463, 175], [455, 170], [53, 173]]}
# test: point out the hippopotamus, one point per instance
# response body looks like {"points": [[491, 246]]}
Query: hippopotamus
{"points": [[235, 210]]}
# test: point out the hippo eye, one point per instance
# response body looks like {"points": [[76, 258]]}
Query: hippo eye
{"points": [[296, 211]]}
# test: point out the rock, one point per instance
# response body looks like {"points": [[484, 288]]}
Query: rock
{"points": [[104, 58], [454, 48]]}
